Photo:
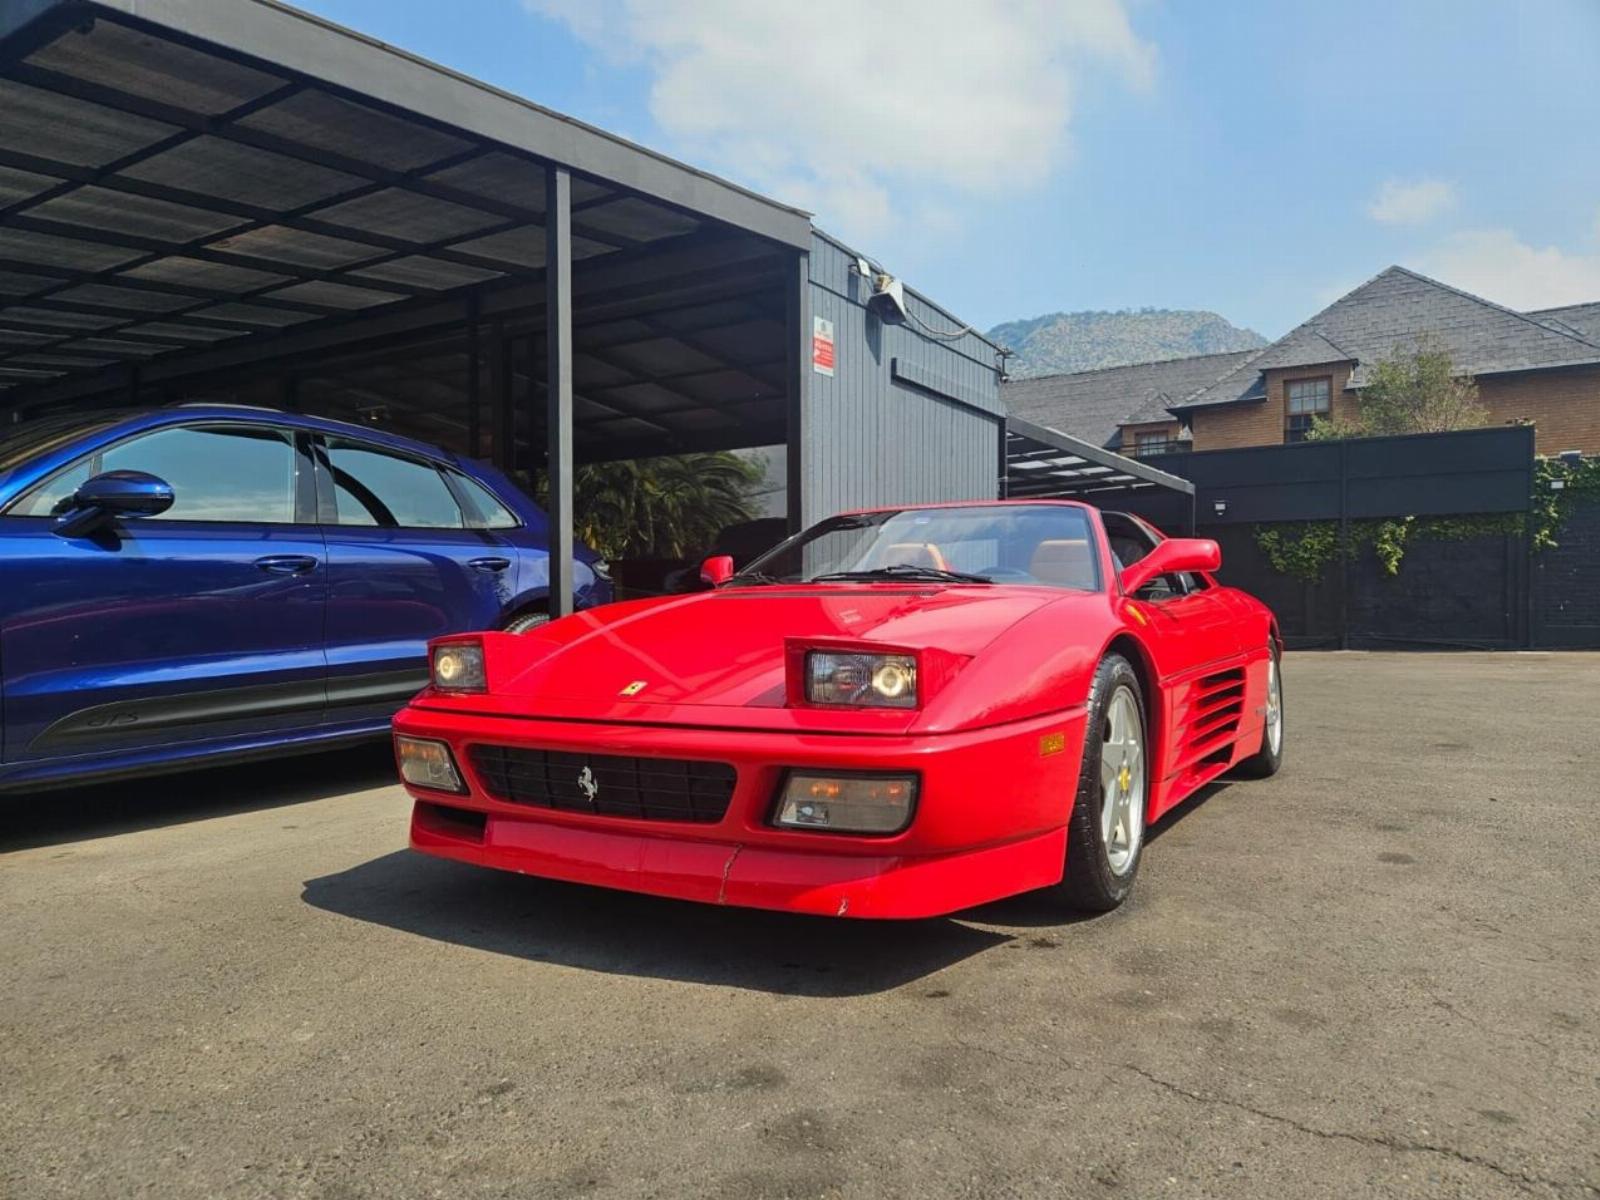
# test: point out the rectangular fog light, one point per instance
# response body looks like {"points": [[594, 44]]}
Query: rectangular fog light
{"points": [[427, 764], [846, 803]]}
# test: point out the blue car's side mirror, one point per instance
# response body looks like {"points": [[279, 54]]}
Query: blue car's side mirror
{"points": [[115, 494]]}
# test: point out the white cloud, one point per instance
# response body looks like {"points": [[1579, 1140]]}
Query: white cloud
{"points": [[866, 112], [1498, 265], [1401, 202]]}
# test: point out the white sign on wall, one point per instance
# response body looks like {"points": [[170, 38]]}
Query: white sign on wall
{"points": [[822, 345]]}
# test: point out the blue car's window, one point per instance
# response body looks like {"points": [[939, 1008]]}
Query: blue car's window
{"points": [[373, 487], [495, 515], [219, 473]]}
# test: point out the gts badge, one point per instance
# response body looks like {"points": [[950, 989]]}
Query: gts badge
{"points": [[633, 689]]}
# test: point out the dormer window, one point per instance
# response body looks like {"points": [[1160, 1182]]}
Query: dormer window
{"points": [[1307, 398]]}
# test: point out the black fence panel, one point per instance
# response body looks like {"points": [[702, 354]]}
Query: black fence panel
{"points": [[1471, 591], [1566, 583]]}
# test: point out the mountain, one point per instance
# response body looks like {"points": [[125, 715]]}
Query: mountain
{"points": [[1082, 341]]}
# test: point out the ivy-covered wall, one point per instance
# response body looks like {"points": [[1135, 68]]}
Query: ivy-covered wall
{"points": [[1462, 580]]}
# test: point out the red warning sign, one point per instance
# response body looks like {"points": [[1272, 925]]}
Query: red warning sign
{"points": [[822, 345]]}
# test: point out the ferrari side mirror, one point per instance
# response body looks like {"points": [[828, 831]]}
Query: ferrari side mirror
{"points": [[1170, 557], [717, 569]]}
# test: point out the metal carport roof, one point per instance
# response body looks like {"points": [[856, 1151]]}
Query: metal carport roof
{"points": [[1040, 461], [184, 185]]}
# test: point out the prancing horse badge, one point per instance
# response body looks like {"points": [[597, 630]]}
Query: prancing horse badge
{"points": [[633, 689]]}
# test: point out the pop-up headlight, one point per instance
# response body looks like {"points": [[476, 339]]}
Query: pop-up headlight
{"points": [[458, 667], [871, 680]]}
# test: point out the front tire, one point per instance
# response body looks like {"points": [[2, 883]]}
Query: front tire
{"points": [[1105, 835], [1267, 760], [527, 621]]}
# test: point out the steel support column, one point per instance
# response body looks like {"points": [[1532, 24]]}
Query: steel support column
{"points": [[558, 374], [797, 305]]}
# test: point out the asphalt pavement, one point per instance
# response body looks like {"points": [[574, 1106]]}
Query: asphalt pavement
{"points": [[1375, 975]]}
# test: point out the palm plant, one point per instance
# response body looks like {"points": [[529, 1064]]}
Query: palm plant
{"points": [[668, 507]]}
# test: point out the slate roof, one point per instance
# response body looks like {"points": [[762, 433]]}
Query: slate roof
{"points": [[1581, 319], [1394, 308], [1093, 405]]}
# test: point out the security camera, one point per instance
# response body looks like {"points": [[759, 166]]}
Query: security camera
{"points": [[888, 299]]}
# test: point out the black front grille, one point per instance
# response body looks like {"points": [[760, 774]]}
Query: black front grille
{"points": [[608, 785]]}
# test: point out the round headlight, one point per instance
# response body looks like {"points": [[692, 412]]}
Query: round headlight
{"points": [[892, 680], [449, 666]]}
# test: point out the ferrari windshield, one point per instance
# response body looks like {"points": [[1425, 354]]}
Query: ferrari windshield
{"points": [[1043, 544]]}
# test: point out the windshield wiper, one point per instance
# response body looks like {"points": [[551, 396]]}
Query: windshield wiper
{"points": [[756, 577], [902, 571]]}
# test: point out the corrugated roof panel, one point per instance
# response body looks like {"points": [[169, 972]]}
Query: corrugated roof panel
{"points": [[50, 251], [50, 125], [420, 271], [324, 122], [638, 219], [143, 216], [117, 346], [521, 247], [22, 337], [19, 185], [281, 244], [401, 214], [499, 176], [178, 332], [334, 295], [214, 167], [663, 356], [253, 314], [131, 300], [197, 272], [19, 283], [64, 362], [55, 318], [133, 61]]}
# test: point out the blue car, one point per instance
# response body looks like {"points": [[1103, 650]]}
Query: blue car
{"points": [[204, 583]]}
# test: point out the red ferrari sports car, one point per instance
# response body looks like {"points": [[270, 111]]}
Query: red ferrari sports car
{"points": [[896, 713]]}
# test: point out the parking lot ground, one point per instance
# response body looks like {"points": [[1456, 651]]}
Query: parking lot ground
{"points": [[1375, 975]]}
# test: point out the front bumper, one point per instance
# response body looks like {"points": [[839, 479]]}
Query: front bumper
{"points": [[990, 820]]}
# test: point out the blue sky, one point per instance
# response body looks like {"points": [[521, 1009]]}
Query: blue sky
{"points": [[1011, 159]]}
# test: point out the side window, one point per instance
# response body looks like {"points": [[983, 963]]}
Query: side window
{"points": [[54, 495], [1129, 542], [495, 515], [217, 473], [376, 487]]}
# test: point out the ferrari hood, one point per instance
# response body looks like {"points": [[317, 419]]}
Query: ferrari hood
{"points": [[727, 648]]}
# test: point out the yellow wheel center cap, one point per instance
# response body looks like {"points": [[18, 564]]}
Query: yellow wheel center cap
{"points": [[1125, 778]]}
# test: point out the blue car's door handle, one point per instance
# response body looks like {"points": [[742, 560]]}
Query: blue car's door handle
{"points": [[489, 564], [287, 564]]}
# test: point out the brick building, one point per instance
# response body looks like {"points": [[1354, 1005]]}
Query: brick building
{"points": [[1541, 367]]}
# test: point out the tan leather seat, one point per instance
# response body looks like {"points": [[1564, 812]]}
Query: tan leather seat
{"points": [[1063, 562], [913, 554]]}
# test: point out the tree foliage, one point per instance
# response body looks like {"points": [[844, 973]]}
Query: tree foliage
{"points": [[668, 507], [1414, 390]]}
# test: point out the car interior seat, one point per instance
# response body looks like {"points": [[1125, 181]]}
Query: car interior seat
{"points": [[1063, 562], [913, 554]]}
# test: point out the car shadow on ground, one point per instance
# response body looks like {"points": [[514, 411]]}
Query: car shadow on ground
{"points": [[623, 933], [48, 818]]}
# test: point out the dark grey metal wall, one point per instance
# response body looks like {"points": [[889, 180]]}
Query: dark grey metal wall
{"points": [[906, 417]]}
